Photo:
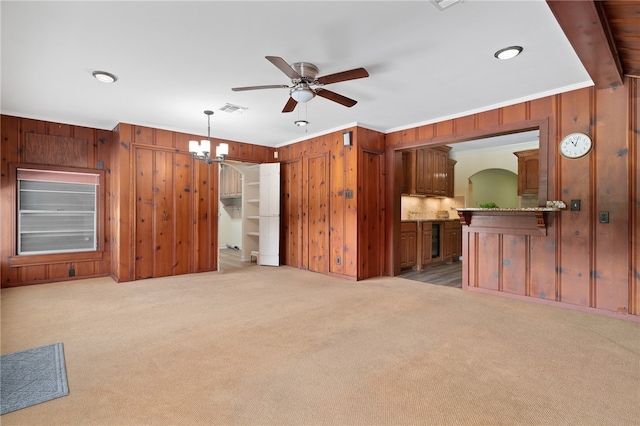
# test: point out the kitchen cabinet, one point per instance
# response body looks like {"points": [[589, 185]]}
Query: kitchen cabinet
{"points": [[230, 182], [426, 243], [426, 171], [408, 244], [452, 243], [408, 180], [528, 171], [451, 164]]}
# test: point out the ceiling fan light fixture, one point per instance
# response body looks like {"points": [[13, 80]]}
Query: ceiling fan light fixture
{"points": [[302, 94], [104, 77], [301, 123], [508, 52]]}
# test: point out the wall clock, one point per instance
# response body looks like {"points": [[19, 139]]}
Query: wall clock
{"points": [[575, 145]]}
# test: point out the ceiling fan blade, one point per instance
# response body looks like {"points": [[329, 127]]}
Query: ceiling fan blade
{"points": [[283, 66], [343, 76], [335, 97], [271, 86], [290, 105]]}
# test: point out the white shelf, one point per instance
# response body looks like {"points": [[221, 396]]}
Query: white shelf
{"points": [[254, 200], [253, 234], [253, 217], [253, 183]]}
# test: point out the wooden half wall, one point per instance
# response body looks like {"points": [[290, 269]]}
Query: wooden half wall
{"points": [[580, 262]]}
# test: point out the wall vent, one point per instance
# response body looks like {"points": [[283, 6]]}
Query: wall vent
{"points": [[233, 109], [443, 4]]}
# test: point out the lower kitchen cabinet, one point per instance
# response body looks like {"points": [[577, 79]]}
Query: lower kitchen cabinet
{"points": [[408, 244], [427, 242], [452, 244]]}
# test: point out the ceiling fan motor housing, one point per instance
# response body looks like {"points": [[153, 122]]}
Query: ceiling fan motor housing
{"points": [[307, 70]]}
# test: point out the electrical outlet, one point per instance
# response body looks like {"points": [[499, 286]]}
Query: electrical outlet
{"points": [[575, 205], [604, 217]]}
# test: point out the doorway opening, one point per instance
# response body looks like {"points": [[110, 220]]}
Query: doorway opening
{"points": [[478, 162], [236, 218]]}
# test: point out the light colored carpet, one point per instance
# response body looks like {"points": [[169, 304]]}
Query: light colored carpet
{"points": [[283, 346]]}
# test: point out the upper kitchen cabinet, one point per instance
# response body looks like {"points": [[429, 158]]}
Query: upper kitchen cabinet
{"points": [[230, 183], [528, 167], [428, 172]]}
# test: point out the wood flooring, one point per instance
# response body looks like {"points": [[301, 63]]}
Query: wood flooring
{"points": [[446, 274], [230, 260]]}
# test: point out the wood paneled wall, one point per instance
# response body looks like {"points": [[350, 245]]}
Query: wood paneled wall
{"points": [[26, 141], [580, 261], [166, 207], [332, 204]]}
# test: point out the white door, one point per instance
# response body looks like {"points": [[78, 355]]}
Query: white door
{"points": [[269, 246]]}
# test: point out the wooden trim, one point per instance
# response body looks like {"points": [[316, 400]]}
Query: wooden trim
{"points": [[47, 259], [548, 302], [394, 173]]}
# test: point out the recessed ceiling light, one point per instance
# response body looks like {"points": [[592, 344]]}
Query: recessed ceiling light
{"points": [[508, 52], [301, 123], [105, 77]]}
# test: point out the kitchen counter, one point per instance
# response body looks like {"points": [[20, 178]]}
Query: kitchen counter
{"points": [[526, 221]]}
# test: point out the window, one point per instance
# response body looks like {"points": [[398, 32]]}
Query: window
{"points": [[57, 211]]}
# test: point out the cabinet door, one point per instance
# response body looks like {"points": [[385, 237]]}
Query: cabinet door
{"points": [[439, 172], [451, 164], [270, 189], [528, 171], [427, 236], [407, 249]]}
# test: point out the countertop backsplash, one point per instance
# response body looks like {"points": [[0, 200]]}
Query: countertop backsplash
{"points": [[430, 208]]}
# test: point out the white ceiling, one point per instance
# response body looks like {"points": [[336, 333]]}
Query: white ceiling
{"points": [[176, 59]]}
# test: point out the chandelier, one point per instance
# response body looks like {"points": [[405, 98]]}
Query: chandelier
{"points": [[202, 150]]}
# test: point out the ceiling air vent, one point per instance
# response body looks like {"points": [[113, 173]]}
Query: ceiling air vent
{"points": [[443, 4], [233, 109]]}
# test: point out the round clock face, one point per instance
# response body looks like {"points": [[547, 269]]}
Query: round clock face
{"points": [[575, 145]]}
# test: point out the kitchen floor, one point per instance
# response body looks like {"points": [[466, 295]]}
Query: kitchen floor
{"points": [[447, 274]]}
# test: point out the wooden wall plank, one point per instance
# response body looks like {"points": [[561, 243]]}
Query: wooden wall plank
{"points": [[515, 271], [488, 261], [164, 138], [144, 214], [9, 153], [611, 262], [515, 113], [575, 242], [56, 150], [634, 196], [465, 124], [371, 217], [291, 241], [182, 214], [337, 204], [163, 214], [318, 196]]}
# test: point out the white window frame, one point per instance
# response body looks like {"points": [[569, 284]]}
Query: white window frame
{"points": [[85, 229]]}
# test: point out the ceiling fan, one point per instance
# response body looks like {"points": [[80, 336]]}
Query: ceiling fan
{"points": [[303, 79]]}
